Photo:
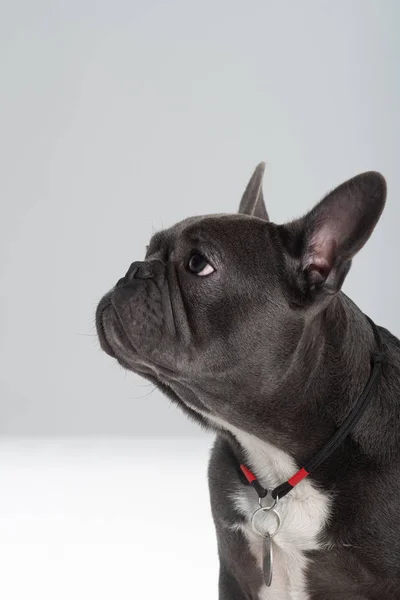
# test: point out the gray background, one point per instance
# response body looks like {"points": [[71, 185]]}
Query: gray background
{"points": [[120, 118]]}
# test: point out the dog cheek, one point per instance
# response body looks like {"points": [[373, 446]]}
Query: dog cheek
{"points": [[146, 323], [141, 316]]}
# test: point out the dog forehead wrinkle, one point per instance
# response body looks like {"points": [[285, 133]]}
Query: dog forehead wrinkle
{"points": [[218, 233]]}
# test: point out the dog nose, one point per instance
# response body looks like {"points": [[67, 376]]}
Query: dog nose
{"points": [[140, 270], [148, 269]]}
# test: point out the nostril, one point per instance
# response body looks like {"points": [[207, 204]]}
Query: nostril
{"points": [[139, 270], [131, 273], [143, 273]]}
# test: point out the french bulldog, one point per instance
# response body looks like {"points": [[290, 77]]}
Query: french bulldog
{"points": [[242, 323]]}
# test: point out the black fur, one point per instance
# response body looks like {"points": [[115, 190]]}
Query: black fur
{"points": [[270, 344]]}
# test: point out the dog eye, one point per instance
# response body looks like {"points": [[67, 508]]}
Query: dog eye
{"points": [[198, 265]]}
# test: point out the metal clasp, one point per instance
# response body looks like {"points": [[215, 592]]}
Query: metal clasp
{"points": [[262, 509], [273, 505]]}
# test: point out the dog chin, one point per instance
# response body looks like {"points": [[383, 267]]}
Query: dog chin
{"points": [[115, 342], [112, 337]]}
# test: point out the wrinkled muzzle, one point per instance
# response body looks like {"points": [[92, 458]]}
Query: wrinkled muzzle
{"points": [[130, 318]]}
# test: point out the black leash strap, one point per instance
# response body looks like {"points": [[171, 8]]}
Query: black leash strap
{"points": [[377, 359]]}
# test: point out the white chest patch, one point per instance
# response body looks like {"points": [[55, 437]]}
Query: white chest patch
{"points": [[304, 512]]}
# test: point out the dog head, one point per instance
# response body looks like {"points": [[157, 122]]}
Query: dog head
{"points": [[219, 301]]}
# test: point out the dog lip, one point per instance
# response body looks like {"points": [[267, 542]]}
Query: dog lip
{"points": [[153, 366], [104, 304]]}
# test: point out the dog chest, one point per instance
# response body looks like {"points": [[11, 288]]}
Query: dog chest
{"points": [[304, 512]]}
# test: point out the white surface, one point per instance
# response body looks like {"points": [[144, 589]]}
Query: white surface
{"points": [[82, 519]]}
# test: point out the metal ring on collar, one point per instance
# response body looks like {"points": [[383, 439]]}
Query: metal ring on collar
{"points": [[273, 505], [266, 509]]}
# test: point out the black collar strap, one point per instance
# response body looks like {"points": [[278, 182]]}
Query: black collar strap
{"points": [[377, 359]]}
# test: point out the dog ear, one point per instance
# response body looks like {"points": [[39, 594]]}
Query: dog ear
{"points": [[330, 235], [252, 202]]}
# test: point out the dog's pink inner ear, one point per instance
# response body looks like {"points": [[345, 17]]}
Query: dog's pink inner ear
{"points": [[321, 256], [339, 226]]}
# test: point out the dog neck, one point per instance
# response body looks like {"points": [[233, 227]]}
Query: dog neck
{"points": [[319, 376]]}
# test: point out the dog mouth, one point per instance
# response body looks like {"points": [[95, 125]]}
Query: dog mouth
{"points": [[116, 342], [104, 308], [152, 365], [111, 333]]}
